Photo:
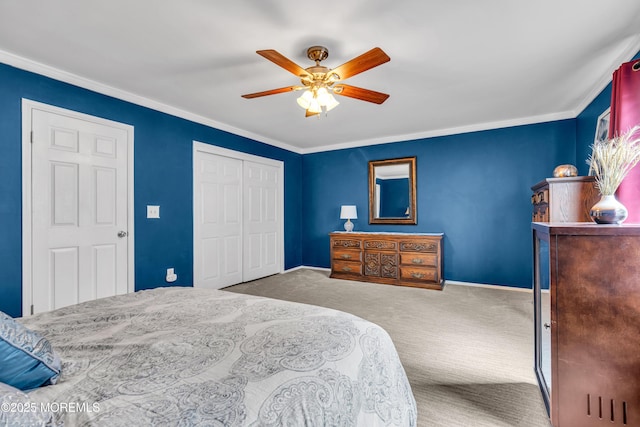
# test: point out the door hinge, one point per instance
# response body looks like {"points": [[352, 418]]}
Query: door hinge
{"points": [[32, 309], [31, 137]]}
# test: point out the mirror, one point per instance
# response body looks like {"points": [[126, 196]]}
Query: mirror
{"points": [[542, 307], [392, 191]]}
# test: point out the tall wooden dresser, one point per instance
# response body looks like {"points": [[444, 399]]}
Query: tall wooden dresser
{"points": [[564, 199], [405, 259], [587, 322]]}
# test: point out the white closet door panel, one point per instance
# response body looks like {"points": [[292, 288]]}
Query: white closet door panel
{"points": [[270, 242], [217, 221], [208, 197], [232, 248], [230, 204], [209, 251], [253, 252], [261, 250]]}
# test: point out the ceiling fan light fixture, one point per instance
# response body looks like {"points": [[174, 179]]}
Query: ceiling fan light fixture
{"points": [[323, 95], [331, 103], [305, 99], [314, 106]]}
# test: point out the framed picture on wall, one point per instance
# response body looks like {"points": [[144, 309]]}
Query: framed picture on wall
{"points": [[602, 130], [602, 126]]}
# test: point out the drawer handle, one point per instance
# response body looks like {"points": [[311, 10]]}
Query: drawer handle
{"points": [[346, 256], [417, 261], [347, 268], [417, 275]]}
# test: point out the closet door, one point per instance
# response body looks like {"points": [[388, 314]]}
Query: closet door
{"points": [[217, 260], [260, 220], [237, 217]]}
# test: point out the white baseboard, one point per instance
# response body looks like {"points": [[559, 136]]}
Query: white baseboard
{"points": [[447, 282], [306, 267], [482, 285]]}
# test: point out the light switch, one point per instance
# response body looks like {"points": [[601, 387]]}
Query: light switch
{"points": [[153, 211]]}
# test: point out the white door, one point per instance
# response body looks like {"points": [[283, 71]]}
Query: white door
{"points": [[238, 229], [218, 214], [79, 209], [260, 220]]}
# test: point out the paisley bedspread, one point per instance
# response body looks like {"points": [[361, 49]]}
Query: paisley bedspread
{"points": [[187, 357]]}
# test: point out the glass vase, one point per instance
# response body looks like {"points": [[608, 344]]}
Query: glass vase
{"points": [[609, 210]]}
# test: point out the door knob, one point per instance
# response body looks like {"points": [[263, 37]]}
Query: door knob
{"points": [[122, 234]]}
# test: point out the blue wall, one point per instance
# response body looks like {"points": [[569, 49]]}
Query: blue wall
{"points": [[474, 187], [162, 176]]}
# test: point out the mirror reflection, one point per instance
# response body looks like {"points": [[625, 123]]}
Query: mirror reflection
{"points": [[392, 191], [544, 316]]}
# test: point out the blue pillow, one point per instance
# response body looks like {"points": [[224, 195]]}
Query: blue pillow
{"points": [[27, 358]]}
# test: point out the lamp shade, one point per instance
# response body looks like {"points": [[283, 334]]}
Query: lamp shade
{"points": [[305, 100], [348, 212]]}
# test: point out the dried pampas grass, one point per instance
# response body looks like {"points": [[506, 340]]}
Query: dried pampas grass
{"points": [[611, 160]]}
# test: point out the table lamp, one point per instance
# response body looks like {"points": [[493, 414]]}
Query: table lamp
{"points": [[348, 212]]}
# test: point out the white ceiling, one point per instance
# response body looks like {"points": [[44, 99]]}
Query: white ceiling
{"points": [[456, 66]]}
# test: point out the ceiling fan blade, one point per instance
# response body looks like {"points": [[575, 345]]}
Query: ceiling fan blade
{"points": [[361, 94], [271, 92], [364, 62], [284, 62]]}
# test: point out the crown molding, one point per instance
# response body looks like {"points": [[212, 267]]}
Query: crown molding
{"points": [[104, 89], [633, 47], [446, 132]]}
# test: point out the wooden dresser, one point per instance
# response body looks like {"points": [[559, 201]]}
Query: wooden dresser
{"points": [[587, 322], [564, 199], [404, 259]]}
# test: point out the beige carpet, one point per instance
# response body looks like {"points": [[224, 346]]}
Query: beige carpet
{"points": [[468, 351]]}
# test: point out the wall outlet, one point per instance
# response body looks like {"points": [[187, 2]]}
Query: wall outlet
{"points": [[153, 211], [171, 275]]}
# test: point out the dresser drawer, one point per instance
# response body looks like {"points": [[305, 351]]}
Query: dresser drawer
{"points": [[347, 255], [423, 274], [408, 246], [346, 267], [346, 243], [539, 197], [419, 259], [540, 213], [381, 245]]}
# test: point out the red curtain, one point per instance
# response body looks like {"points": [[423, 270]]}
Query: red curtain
{"points": [[625, 113]]}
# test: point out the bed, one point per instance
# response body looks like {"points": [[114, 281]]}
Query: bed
{"points": [[191, 357]]}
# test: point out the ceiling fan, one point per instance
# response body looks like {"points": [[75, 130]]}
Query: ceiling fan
{"points": [[319, 82]]}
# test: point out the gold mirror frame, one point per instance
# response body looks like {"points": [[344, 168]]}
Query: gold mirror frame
{"points": [[411, 217]]}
